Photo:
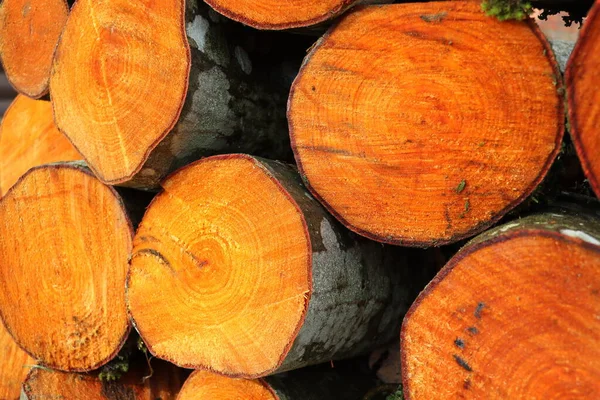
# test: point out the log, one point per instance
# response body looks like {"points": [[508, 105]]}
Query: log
{"points": [[29, 32], [277, 15], [152, 102], [583, 96], [13, 366], [163, 383], [65, 240], [304, 384], [28, 138], [515, 314], [422, 124], [250, 276]]}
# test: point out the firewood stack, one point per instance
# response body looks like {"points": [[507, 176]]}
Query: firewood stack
{"points": [[408, 185]]}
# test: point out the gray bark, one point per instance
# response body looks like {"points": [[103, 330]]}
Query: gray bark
{"points": [[361, 289], [234, 103]]}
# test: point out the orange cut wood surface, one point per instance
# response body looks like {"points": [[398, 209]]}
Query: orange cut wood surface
{"points": [[29, 32], [206, 385], [221, 257], [163, 383], [514, 318], [421, 124], [28, 138], [65, 240], [273, 14], [119, 80], [13, 366], [583, 92]]}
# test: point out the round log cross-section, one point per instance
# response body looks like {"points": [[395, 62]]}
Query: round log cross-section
{"points": [[422, 124]]}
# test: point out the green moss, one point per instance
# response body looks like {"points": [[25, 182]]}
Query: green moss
{"points": [[397, 395], [114, 369], [507, 9]]}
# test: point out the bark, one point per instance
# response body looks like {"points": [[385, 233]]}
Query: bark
{"points": [[354, 291], [517, 297], [232, 105]]}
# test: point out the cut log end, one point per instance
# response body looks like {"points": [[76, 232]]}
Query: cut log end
{"points": [[582, 77], [29, 31], [131, 100], [65, 240], [273, 14], [417, 124], [203, 293], [13, 366], [28, 138], [163, 382], [205, 385], [516, 314]]}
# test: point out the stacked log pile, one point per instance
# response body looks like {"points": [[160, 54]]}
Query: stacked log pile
{"points": [[208, 187]]}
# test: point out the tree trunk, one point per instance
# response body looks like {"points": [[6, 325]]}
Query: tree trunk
{"points": [[583, 97], [65, 239], [28, 138], [417, 124], [162, 103], [164, 382], [12, 366], [247, 276], [515, 314], [29, 31], [305, 384]]}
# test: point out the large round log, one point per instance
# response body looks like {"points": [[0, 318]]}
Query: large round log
{"points": [[29, 32], [421, 124], [65, 239], [28, 138], [237, 269], [162, 88], [582, 76], [515, 314]]}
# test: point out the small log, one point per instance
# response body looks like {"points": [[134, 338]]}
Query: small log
{"points": [[29, 32], [65, 239], [237, 269], [583, 96], [304, 384], [422, 124], [152, 102], [515, 314], [164, 382], [28, 138], [13, 366]]}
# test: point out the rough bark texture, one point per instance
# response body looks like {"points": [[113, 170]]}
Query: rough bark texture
{"points": [[231, 105], [513, 315], [348, 297], [360, 289]]}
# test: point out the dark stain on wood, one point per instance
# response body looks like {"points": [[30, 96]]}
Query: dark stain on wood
{"points": [[462, 363]]}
